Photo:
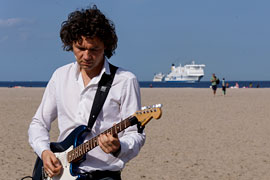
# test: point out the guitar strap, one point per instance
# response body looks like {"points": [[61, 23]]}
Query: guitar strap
{"points": [[104, 86]]}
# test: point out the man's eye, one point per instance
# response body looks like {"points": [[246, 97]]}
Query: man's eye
{"points": [[81, 49]]}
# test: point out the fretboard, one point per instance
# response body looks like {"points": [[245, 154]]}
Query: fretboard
{"points": [[83, 148]]}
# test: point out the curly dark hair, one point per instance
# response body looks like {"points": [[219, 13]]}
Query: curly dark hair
{"points": [[89, 23]]}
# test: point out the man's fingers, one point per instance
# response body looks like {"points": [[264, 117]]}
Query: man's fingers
{"points": [[104, 143], [49, 172], [56, 162], [51, 164], [56, 166], [108, 143]]}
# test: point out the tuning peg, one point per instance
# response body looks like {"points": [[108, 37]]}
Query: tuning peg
{"points": [[143, 108], [157, 106], [153, 106]]}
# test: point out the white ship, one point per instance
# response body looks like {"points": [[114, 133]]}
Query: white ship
{"points": [[159, 77], [187, 73]]}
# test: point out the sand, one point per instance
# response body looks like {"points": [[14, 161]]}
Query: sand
{"points": [[198, 137]]}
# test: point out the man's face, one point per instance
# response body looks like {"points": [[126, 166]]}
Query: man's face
{"points": [[89, 53]]}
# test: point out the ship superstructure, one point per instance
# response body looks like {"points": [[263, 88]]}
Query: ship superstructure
{"points": [[159, 77], [187, 73]]}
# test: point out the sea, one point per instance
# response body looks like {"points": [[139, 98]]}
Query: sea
{"points": [[151, 84]]}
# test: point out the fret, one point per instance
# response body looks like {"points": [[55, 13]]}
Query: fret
{"points": [[87, 148], [96, 142], [76, 152], [90, 144], [121, 126], [80, 150], [73, 155], [69, 156]]}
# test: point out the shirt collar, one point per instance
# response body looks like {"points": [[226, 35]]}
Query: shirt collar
{"points": [[96, 79]]}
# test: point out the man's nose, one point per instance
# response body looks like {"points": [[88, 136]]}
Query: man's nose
{"points": [[87, 55]]}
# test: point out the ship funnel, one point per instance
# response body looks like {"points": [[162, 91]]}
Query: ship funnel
{"points": [[173, 67]]}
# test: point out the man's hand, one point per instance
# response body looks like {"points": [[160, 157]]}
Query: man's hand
{"points": [[109, 143], [51, 164]]}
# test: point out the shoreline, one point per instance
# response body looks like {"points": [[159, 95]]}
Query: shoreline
{"points": [[149, 84]]}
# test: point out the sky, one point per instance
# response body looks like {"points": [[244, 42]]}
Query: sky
{"points": [[231, 37]]}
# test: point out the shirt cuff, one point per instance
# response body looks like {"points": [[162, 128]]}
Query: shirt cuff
{"points": [[116, 153], [124, 148], [40, 147]]}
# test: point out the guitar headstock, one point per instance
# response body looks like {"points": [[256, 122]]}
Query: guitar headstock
{"points": [[147, 113]]}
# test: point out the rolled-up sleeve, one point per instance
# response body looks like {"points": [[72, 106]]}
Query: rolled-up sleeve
{"points": [[131, 141]]}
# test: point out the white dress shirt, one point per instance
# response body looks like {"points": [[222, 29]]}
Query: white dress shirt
{"points": [[67, 99]]}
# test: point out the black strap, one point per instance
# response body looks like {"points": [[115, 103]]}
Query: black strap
{"points": [[104, 86]]}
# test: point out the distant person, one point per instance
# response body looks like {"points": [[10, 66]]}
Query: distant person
{"points": [[223, 86], [250, 85], [236, 85], [215, 82], [258, 85]]}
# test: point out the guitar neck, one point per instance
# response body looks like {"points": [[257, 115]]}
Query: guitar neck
{"points": [[83, 148]]}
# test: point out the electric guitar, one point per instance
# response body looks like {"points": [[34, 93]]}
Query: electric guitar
{"points": [[71, 152]]}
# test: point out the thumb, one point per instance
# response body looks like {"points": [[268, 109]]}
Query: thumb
{"points": [[55, 161]]}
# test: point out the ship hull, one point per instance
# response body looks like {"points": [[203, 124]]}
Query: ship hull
{"points": [[184, 80]]}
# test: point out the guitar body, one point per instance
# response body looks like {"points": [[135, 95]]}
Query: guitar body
{"points": [[74, 139], [71, 152]]}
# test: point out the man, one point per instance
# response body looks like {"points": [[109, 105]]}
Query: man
{"points": [[70, 93], [223, 86], [214, 82]]}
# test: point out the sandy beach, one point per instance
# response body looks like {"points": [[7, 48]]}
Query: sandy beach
{"points": [[198, 137]]}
